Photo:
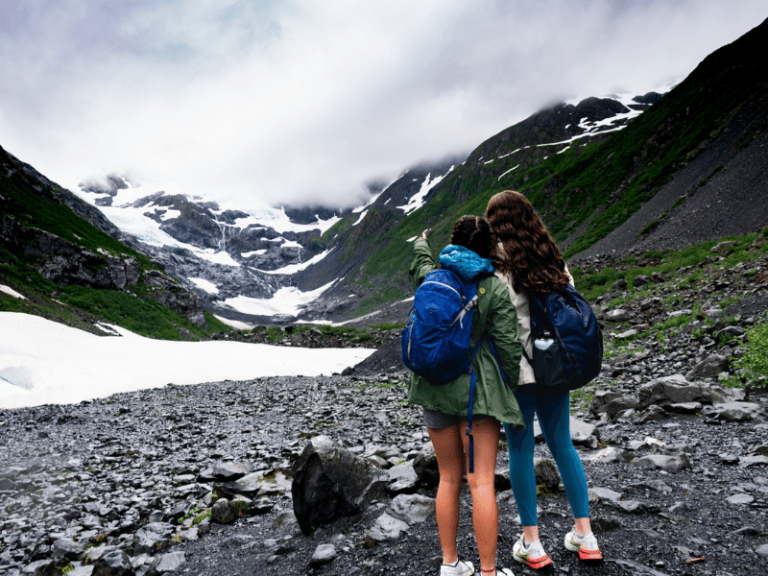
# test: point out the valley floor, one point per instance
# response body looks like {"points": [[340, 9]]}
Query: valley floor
{"points": [[118, 472]]}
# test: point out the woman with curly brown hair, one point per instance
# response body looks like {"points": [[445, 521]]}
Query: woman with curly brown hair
{"points": [[527, 259]]}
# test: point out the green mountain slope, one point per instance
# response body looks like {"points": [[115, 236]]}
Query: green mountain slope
{"points": [[583, 190], [55, 250]]}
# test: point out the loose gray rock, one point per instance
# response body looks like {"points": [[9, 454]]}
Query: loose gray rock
{"points": [[746, 461], [115, 563], [42, 568], [403, 478], [606, 494], [411, 508], [171, 562], [710, 367], [222, 513], [387, 528], [733, 411], [546, 472], [618, 315], [230, 471], [740, 499], [610, 455], [677, 389], [323, 554], [662, 462], [284, 519], [425, 465]]}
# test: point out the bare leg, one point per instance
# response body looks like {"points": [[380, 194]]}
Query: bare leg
{"points": [[485, 514], [448, 449], [530, 533], [583, 526]]}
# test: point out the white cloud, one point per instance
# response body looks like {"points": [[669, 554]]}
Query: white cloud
{"points": [[299, 100]]}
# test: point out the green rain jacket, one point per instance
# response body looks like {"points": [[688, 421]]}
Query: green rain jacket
{"points": [[494, 316]]}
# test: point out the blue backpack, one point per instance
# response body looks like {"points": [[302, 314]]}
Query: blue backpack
{"points": [[568, 340], [436, 339]]}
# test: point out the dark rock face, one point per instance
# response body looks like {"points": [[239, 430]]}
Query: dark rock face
{"points": [[330, 482], [65, 263]]}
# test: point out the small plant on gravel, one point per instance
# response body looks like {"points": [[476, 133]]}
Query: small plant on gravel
{"points": [[67, 569], [200, 517], [189, 514], [240, 507]]}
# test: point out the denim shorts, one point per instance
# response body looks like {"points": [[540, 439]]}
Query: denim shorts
{"points": [[435, 419]]}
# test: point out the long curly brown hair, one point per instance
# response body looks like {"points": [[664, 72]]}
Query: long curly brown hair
{"points": [[531, 256]]}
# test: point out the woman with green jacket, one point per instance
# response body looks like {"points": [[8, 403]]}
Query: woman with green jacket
{"points": [[446, 405]]}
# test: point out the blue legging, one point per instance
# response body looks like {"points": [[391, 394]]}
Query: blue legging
{"points": [[554, 413]]}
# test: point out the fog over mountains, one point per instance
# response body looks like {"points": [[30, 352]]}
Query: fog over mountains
{"points": [[610, 175]]}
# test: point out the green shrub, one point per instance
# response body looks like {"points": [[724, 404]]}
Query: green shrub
{"points": [[755, 359]]}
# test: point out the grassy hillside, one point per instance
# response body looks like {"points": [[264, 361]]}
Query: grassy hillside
{"points": [[591, 187], [34, 203]]}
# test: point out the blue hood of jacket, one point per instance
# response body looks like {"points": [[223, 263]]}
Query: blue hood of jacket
{"points": [[465, 262]]}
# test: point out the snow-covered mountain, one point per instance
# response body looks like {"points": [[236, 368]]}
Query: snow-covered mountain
{"points": [[265, 265]]}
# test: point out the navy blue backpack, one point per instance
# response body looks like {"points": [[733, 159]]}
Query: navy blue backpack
{"points": [[568, 340]]}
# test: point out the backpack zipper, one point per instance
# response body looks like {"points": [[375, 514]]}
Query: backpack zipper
{"points": [[410, 333], [447, 286]]}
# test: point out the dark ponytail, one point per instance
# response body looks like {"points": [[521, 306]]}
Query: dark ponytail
{"points": [[473, 232]]}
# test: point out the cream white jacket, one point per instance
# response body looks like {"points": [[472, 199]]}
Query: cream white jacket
{"points": [[520, 301]]}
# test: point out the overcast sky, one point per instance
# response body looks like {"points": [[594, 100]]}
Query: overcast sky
{"points": [[292, 101]]}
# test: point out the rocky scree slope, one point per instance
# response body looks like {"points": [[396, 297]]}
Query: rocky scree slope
{"points": [[61, 254], [204, 478]]}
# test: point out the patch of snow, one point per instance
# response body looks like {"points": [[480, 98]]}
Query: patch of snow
{"points": [[254, 253], [290, 243], [287, 301], [170, 214], [507, 172], [211, 255], [205, 285], [48, 363], [236, 324], [107, 328], [513, 152], [360, 219], [11, 292], [293, 268], [418, 199]]}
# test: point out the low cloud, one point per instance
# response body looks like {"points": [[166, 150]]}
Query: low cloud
{"points": [[301, 101]]}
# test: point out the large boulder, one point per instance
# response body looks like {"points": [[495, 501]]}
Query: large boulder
{"points": [[330, 482], [676, 389]]}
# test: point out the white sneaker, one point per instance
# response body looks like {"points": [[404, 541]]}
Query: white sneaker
{"points": [[531, 553], [460, 569], [585, 545]]}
